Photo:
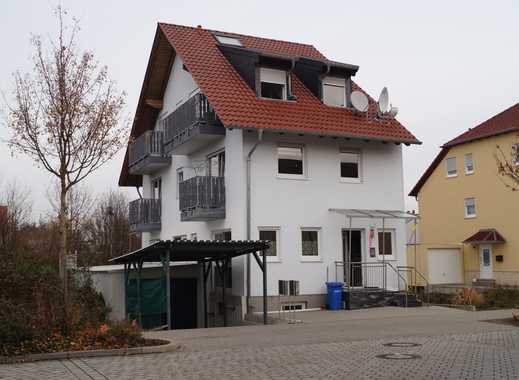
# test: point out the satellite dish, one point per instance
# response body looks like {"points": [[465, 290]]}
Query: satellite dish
{"points": [[383, 101], [393, 111], [359, 101]]}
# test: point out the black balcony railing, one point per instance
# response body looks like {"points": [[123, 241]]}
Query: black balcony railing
{"points": [[146, 154], [192, 118], [202, 198], [145, 215]]}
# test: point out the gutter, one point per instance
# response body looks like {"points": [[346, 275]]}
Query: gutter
{"points": [[248, 217]]}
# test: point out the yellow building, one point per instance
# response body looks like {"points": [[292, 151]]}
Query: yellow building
{"points": [[469, 219]]}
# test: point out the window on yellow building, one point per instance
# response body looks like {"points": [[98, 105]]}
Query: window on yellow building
{"points": [[470, 207], [451, 167], [469, 164]]}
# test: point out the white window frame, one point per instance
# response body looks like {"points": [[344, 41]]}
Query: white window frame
{"points": [[380, 257], [214, 232], [467, 215], [276, 229], [359, 163], [303, 159], [274, 76], [515, 153], [449, 175], [337, 83], [179, 171], [228, 40], [316, 258], [467, 171]]}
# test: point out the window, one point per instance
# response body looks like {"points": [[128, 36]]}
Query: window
{"points": [[451, 167], [310, 244], [156, 188], [385, 243], [193, 236], [515, 154], [293, 306], [290, 161], [180, 237], [469, 164], [470, 207], [180, 178], [223, 236], [273, 83], [216, 165], [334, 91], [350, 166], [271, 234], [228, 40]]}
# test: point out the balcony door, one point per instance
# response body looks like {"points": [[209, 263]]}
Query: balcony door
{"points": [[216, 165], [156, 188]]}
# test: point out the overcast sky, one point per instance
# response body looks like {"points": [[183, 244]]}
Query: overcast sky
{"points": [[449, 65]]}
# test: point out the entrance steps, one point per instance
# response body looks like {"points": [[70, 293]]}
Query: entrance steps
{"points": [[364, 298]]}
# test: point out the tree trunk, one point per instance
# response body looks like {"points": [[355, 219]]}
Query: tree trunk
{"points": [[63, 229]]}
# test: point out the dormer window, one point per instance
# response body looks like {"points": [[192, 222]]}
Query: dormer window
{"points": [[273, 83], [228, 40], [334, 91]]}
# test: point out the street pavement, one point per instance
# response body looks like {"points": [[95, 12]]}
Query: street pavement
{"points": [[385, 343]]}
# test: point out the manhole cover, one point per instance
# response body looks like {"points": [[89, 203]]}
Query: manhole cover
{"points": [[398, 356], [402, 344]]}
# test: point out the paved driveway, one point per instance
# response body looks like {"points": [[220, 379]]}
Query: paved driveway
{"points": [[447, 344]]}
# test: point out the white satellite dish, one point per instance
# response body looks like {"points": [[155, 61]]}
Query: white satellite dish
{"points": [[359, 101], [383, 101]]}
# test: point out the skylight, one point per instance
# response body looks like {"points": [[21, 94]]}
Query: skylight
{"points": [[229, 40]]}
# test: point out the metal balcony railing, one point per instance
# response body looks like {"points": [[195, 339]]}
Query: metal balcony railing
{"points": [[192, 118], [202, 198], [146, 154], [145, 215]]}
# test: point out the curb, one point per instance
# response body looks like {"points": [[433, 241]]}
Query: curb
{"points": [[169, 347]]}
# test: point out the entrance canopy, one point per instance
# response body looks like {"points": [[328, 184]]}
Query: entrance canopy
{"points": [[374, 214], [487, 236]]}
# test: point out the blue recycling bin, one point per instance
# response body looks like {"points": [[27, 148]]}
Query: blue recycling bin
{"points": [[334, 295]]}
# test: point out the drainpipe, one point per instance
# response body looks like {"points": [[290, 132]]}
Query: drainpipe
{"points": [[249, 222]]}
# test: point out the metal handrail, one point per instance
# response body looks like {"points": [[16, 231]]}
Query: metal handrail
{"points": [[427, 286]]}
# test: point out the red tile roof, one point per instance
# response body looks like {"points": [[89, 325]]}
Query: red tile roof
{"points": [[489, 236], [503, 122], [237, 105]]}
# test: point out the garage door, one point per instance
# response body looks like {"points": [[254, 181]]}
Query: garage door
{"points": [[444, 266]]}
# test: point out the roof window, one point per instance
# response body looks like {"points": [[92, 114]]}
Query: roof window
{"points": [[228, 40]]}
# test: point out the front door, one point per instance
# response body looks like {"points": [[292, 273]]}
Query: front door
{"points": [[486, 270], [352, 257]]}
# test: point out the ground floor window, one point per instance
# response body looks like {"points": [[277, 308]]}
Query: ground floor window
{"points": [[223, 236], [310, 244], [385, 242], [271, 234]]}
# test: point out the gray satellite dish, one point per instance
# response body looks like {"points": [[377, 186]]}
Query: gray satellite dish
{"points": [[383, 101], [393, 111], [359, 101]]}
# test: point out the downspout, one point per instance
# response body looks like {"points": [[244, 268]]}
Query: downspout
{"points": [[249, 221]]}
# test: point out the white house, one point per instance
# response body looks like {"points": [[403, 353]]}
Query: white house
{"points": [[246, 138]]}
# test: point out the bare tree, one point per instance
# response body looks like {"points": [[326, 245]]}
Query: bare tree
{"points": [[15, 215], [107, 230], [66, 116], [508, 166]]}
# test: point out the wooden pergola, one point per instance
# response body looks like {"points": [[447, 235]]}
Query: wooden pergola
{"points": [[203, 252]]}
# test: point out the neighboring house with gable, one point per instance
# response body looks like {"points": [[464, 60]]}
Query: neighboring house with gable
{"points": [[246, 138], [469, 229]]}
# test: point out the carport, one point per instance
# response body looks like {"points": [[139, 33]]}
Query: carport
{"points": [[204, 252]]}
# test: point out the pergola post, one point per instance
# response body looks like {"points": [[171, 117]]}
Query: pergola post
{"points": [[384, 253], [138, 266], [205, 274], [349, 269], [265, 306], [224, 285], [168, 288]]}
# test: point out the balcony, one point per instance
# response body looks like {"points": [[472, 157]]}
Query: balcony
{"points": [[146, 154], [144, 215], [191, 126], [202, 198]]}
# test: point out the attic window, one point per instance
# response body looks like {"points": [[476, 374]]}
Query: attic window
{"points": [[273, 83], [334, 91], [229, 40]]}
